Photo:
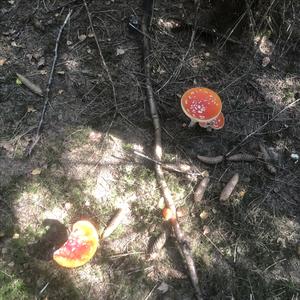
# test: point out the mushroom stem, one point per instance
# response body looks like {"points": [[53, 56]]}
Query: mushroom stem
{"points": [[192, 123]]}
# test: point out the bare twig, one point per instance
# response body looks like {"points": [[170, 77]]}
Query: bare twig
{"points": [[170, 167], [182, 242], [261, 127], [50, 79], [151, 292]]}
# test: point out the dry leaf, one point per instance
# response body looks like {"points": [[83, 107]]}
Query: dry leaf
{"points": [[36, 171], [120, 51], [30, 108]]}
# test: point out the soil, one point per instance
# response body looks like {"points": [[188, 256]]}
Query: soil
{"points": [[84, 164]]}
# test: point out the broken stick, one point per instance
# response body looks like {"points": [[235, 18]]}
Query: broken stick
{"points": [[182, 242], [50, 79]]}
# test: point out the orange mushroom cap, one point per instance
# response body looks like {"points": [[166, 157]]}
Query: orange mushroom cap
{"points": [[218, 122], [80, 246], [201, 104], [167, 214]]}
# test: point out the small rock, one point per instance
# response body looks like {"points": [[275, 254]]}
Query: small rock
{"points": [[11, 264], [16, 236], [204, 215], [295, 157], [163, 287]]}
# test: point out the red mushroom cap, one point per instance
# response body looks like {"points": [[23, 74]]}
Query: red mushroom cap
{"points": [[218, 122], [201, 104]]}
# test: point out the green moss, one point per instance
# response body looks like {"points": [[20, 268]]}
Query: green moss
{"points": [[12, 288]]}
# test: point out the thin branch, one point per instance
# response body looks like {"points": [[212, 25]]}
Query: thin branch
{"points": [[182, 242], [49, 84]]}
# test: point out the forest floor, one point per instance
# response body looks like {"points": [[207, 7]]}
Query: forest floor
{"points": [[84, 165]]}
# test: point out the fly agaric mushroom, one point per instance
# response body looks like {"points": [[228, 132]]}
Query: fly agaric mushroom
{"points": [[201, 105], [168, 214], [80, 246], [217, 123]]}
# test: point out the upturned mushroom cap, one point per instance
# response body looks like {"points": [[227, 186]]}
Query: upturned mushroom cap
{"points": [[201, 104]]}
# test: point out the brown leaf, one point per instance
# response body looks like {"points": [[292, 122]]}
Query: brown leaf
{"points": [[36, 171]]}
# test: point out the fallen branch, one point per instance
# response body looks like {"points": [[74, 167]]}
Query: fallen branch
{"points": [[182, 242], [50, 79], [179, 168]]}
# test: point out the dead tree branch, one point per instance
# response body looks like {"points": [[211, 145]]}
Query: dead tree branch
{"points": [[182, 242], [49, 84]]}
